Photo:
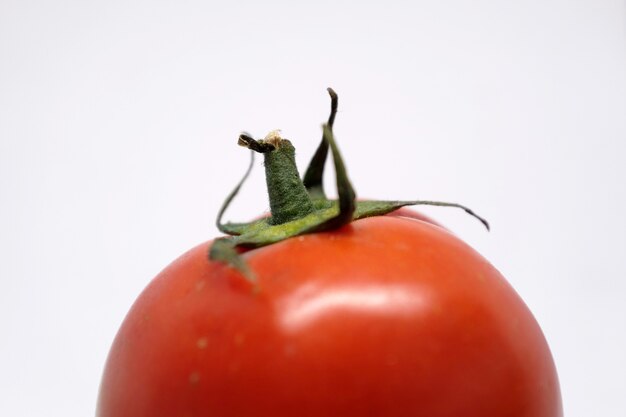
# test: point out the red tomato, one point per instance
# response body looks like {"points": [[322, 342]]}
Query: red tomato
{"points": [[385, 317]]}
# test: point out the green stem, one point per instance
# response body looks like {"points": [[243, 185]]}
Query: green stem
{"points": [[289, 199]]}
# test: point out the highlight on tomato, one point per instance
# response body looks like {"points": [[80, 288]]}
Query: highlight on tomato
{"points": [[329, 307]]}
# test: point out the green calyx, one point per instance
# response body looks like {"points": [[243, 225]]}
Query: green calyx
{"points": [[299, 206]]}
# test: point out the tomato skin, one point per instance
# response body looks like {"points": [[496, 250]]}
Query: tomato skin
{"points": [[385, 317]]}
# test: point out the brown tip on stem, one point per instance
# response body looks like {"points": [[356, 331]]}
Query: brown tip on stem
{"points": [[254, 145], [244, 140]]}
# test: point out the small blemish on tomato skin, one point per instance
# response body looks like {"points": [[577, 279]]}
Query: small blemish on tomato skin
{"points": [[202, 343], [200, 285], [194, 378], [239, 339], [289, 350]]}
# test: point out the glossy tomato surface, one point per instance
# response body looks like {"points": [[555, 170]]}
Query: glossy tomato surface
{"points": [[386, 317]]}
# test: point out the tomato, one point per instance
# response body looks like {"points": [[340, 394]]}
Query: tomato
{"points": [[329, 308], [387, 316]]}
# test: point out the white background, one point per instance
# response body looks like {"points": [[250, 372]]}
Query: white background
{"points": [[118, 127]]}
